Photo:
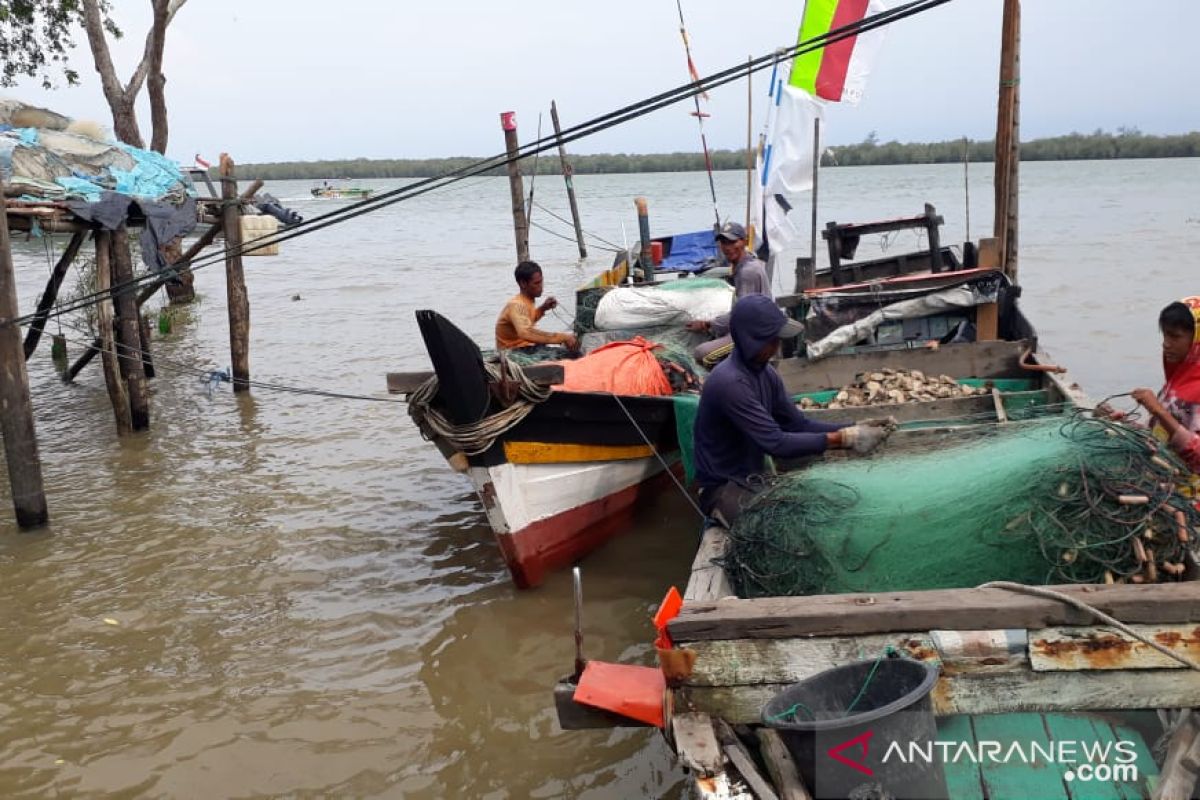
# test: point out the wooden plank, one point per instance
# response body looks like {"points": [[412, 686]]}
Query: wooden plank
{"points": [[998, 402], [408, 382], [967, 360], [38, 324], [1075, 648], [781, 767], [948, 408], [708, 580], [942, 609], [987, 322], [1147, 769], [1084, 728], [963, 781], [990, 693], [1019, 780], [696, 743], [736, 751], [738, 662]]}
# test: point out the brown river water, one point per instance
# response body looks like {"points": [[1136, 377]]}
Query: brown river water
{"points": [[285, 594]]}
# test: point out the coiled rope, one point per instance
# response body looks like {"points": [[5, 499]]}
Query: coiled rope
{"points": [[476, 437]]}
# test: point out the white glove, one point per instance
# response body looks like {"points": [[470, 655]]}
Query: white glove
{"points": [[863, 439]]}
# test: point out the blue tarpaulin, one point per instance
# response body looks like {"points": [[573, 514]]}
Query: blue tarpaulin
{"points": [[689, 252]]}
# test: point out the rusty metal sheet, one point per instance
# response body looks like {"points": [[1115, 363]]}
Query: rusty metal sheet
{"points": [[1079, 648]]}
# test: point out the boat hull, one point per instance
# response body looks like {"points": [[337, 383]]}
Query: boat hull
{"points": [[548, 516]]}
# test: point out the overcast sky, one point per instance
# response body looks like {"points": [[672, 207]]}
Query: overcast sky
{"points": [[280, 80]]}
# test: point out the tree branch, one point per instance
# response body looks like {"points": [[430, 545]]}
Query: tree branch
{"points": [[120, 102]]}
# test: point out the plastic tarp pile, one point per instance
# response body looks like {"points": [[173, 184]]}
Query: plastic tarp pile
{"points": [[55, 165], [956, 297], [673, 303], [101, 182]]}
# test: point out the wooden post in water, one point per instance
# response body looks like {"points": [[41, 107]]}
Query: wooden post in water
{"points": [[508, 121], [568, 172], [16, 408], [117, 394], [235, 279], [1007, 143], [129, 336], [647, 254]]}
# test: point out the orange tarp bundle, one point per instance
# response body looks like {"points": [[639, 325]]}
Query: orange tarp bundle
{"points": [[626, 368]]}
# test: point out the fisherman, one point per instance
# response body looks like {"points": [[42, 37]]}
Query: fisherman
{"points": [[745, 414], [515, 326], [1175, 409], [749, 277]]}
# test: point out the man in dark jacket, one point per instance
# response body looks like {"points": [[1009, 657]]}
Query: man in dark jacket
{"points": [[745, 414]]}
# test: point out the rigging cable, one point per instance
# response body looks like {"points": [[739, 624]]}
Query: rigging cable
{"points": [[481, 167]]}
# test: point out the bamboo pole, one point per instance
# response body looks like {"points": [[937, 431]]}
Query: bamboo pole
{"points": [[129, 337], [750, 146], [235, 279], [1006, 130], [810, 272], [34, 335], [508, 121], [117, 394], [568, 171], [16, 407]]}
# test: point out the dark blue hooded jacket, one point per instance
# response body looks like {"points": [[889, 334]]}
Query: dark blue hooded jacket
{"points": [[744, 411]]}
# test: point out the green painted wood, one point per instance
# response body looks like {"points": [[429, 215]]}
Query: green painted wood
{"points": [[963, 780], [1086, 729], [1147, 768], [1018, 780]]}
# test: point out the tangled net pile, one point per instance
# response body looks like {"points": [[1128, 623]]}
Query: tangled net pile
{"points": [[1044, 501]]}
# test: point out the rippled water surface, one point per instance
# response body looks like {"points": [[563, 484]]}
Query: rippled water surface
{"points": [[308, 602]]}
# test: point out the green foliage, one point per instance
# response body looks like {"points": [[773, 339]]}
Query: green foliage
{"points": [[36, 39], [1125, 143]]}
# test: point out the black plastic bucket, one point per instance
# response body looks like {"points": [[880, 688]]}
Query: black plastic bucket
{"points": [[850, 728]]}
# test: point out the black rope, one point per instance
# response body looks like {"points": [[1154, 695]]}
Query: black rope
{"points": [[574, 133]]}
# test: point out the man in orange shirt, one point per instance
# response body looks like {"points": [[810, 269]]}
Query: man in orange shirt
{"points": [[515, 325]]}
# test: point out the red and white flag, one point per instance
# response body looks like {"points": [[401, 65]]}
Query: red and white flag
{"points": [[200, 162]]}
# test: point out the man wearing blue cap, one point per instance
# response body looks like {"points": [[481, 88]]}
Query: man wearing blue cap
{"points": [[749, 277], [745, 414]]}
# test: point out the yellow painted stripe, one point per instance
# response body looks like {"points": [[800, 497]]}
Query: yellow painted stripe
{"points": [[554, 452]]}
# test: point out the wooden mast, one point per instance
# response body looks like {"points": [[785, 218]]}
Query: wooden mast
{"points": [[1008, 141], [567, 173]]}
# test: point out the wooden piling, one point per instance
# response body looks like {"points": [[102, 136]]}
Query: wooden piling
{"points": [[568, 172], [508, 121], [34, 335], [1007, 140], [117, 393], [16, 407], [180, 263], [647, 254], [128, 331], [235, 279]]}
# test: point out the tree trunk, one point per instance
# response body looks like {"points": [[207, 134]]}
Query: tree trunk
{"points": [[156, 82]]}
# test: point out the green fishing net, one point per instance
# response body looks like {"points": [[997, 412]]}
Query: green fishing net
{"points": [[1035, 502]]}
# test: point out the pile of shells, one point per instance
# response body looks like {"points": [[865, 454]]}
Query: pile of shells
{"points": [[895, 386]]}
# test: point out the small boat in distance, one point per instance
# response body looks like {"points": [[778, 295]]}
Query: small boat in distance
{"points": [[330, 192]]}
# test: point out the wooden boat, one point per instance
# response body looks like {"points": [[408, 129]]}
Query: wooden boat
{"points": [[340, 193], [1010, 666]]}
